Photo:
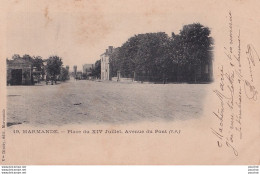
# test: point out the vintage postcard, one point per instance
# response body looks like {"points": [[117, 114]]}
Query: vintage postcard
{"points": [[138, 82]]}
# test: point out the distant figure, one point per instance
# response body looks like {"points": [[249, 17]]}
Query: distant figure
{"points": [[47, 79]]}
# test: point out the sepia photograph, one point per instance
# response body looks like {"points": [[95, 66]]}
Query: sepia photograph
{"points": [[150, 77]]}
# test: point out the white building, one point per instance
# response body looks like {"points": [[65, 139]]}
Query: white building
{"points": [[105, 71]]}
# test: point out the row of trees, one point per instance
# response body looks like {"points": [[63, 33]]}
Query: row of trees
{"points": [[53, 68], [159, 57], [96, 71]]}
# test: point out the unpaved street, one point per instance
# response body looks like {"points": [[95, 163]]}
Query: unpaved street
{"points": [[82, 102]]}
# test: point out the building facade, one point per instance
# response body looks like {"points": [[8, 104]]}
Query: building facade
{"points": [[19, 72], [105, 69]]}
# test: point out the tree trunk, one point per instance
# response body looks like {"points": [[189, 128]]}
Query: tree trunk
{"points": [[177, 72]]}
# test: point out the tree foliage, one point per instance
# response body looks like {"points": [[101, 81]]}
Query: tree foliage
{"points": [[64, 73], [38, 63], [53, 67], [96, 71], [157, 57]]}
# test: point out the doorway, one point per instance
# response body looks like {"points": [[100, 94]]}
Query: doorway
{"points": [[16, 77]]}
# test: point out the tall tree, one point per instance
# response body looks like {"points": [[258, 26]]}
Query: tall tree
{"points": [[53, 67], [195, 42], [64, 74], [38, 63], [145, 54], [96, 71]]}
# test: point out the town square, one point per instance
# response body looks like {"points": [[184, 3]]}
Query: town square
{"points": [[151, 77], [84, 101]]}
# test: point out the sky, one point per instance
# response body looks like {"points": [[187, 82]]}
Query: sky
{"points": [[79, 31]]}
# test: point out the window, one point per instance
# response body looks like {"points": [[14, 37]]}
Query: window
{"points": [[207, 69]]}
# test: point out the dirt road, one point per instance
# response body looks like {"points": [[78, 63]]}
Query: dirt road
{"points": [[82, 102]]}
